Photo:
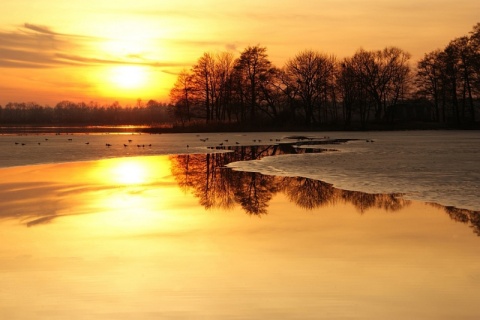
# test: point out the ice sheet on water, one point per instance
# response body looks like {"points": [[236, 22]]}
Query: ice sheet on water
{"points": [[437, 166], [440, 167]]}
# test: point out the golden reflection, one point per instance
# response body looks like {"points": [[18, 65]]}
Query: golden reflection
{"points": [[147, 250], [130, 171], [127, 193], [138, 189]]}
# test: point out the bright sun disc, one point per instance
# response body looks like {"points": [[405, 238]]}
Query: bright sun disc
{"points": [[129, 77]]}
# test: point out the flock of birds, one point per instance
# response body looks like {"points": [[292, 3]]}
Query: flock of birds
{"points": [[150, 145], [87, 143], [221, 144]]}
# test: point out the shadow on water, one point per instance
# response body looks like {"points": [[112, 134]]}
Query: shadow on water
{"points": [[217, 186]]}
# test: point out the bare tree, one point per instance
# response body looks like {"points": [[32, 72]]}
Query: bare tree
{"points": [[353, 88], [252, 69], [475, 43], [464, 51], [224, 69], [182, 95], [312, 77], [204, 82], [428, 80], [450, 78], [383, 74]]}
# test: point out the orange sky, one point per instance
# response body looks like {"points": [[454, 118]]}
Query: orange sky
{"points": [[53, 50]]}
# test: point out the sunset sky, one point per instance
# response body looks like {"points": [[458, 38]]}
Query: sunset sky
{"points": [[105, 50]]}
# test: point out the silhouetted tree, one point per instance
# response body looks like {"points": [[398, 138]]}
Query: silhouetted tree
{"points": [[311, 76], [207, 88], [384, 74], [428, 81], [224, 63], [182, 95], [450, 78], [353, 88], [204, 82], [475, 44], [252, 70], [461, 71]]}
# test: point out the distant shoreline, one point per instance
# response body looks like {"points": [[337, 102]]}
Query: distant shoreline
{"points": [[221, 127]]}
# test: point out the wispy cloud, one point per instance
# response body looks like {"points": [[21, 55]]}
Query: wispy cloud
{"points": [[34, 46], [39, 29], [75, 60], [190, 43]]}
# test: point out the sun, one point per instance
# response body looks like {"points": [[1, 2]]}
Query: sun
{"points": [[129, 77], [127, 82]]}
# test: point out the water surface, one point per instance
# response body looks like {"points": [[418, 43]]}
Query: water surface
{"points": [[183, 237], [431, 166]]}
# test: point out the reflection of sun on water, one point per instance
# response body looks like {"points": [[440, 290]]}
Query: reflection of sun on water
{"points": [[138, 191], [130, 172]]}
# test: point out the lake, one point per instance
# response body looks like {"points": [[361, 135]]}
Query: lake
{"points": [[341, 225]]}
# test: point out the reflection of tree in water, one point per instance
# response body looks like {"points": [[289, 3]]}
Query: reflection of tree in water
{"points": [[463, 215], [311, 194], [308, 193], [218, 187], [206, 177], [363, 201], [254, 191]]}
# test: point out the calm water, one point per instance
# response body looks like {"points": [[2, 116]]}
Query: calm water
{"points": [[126, 233], [432, 166]]}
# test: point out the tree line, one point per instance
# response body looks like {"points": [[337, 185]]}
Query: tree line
{"points": [[449, 79], [71, 113], [314, 89]]}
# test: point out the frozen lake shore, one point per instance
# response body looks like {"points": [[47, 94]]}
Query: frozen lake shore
{"points": [[431, 166]]}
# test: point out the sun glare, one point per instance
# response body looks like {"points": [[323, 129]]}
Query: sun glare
{"points": [[129, 77], [130, 172]]}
